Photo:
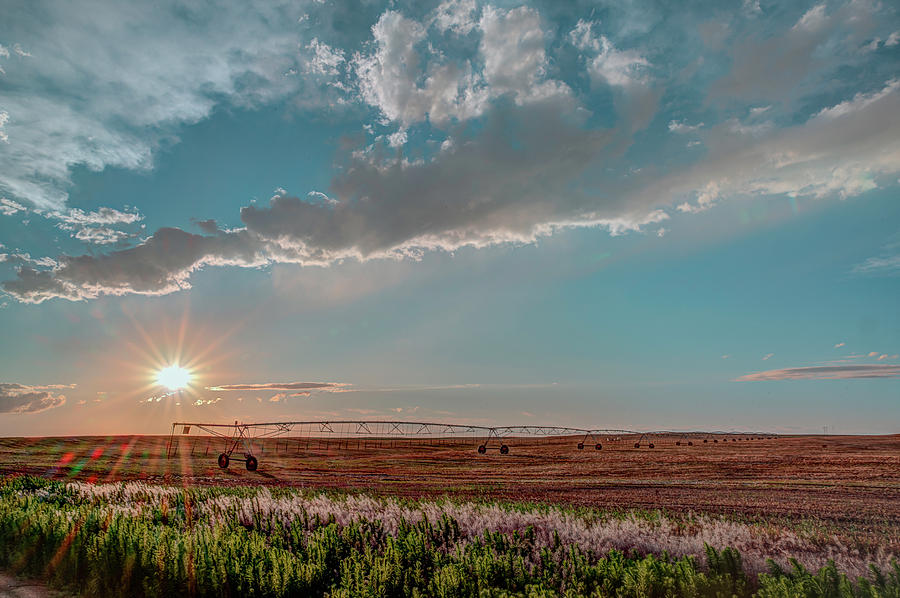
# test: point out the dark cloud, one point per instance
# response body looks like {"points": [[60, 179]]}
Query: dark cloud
{"points": [[161, 264], [210, 226], [19, 398], [515, 180], [301, 386], [827, 372]]}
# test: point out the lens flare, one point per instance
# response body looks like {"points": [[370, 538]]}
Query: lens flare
{"points": [[173, 377]]}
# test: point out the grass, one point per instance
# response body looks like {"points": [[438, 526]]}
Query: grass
{"points": [[137, 539]]}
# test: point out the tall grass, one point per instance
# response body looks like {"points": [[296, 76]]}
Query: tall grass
{"points": [[142, 540]]}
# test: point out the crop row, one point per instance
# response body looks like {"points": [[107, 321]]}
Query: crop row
{"points": [[142, 540]]}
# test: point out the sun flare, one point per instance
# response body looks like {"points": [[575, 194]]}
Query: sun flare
{"points": [[173, 377]]}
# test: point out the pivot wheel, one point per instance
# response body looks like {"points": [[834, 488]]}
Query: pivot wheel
{"points": [[223, 461], [637, 445], [580, 446], [598, 446], [504, 450], [252, 463], [482, 449], [650, 445]]}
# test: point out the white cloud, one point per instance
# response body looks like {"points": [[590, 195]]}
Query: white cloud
{"points": [[515, 60], [9, 207], [582, 36], [100, 235], [625, 70], [676, 126], [893, 39], [767, 356], [859, 102], [885, 264], [616, 67], [102, 94], [325, 59], [102, 215], [839, 345], [4, 118], [394, 80], [458, 16], [812, 19]]}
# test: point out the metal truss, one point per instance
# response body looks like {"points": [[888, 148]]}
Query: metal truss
{"points": [[486, 438]]}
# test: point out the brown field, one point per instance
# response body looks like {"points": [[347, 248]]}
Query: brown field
{"points": [[852, 482]]}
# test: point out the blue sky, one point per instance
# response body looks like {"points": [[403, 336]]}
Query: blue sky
{"points": [[615, 214]]}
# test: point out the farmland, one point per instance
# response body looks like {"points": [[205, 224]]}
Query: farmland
{"points": [[343, 518], [852, 482]]}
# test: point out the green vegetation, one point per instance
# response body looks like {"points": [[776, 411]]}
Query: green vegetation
{"points": [[113, 540]]}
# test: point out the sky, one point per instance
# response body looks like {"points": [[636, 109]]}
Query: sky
{"points": [[598, 214]]}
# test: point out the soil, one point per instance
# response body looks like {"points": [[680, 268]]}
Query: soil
{"points": [[851, 482]]}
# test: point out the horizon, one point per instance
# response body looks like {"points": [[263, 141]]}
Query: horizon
{"points": [[467, 212]]}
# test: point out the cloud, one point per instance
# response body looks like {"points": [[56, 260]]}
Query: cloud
{"points": [[325, 60], [9, 207], [625, 71], [873, 353], [103, 215], [767, 356], [101, 94], [839, 345], [537, 160], [283, 396], [842, 152], [830, 372], [161, 264], [298, 386], [209, 227], [458, 16], [789, 64], [394, 79], [19, 398], [885, 264], [512, 45], [100, 235], [201, 402], [682, 127]]}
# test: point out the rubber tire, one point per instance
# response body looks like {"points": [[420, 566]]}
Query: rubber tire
{"points": [[580, 446], [690, 443], [482, 449], [678, 443], [598, 447], [504, 450], [637, 445], [650, 445], [252, 463], [223, 461]]}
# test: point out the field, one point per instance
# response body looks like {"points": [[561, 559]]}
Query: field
{"points": [[816, 499], [853, 482]]}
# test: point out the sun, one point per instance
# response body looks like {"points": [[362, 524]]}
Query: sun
{"points": [[173, 377]]}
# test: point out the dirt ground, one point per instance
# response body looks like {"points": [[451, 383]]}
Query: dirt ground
{"points": [[852, 482]]}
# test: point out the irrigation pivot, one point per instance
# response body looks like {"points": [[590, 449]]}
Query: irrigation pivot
{"points": [[241, 440]]}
